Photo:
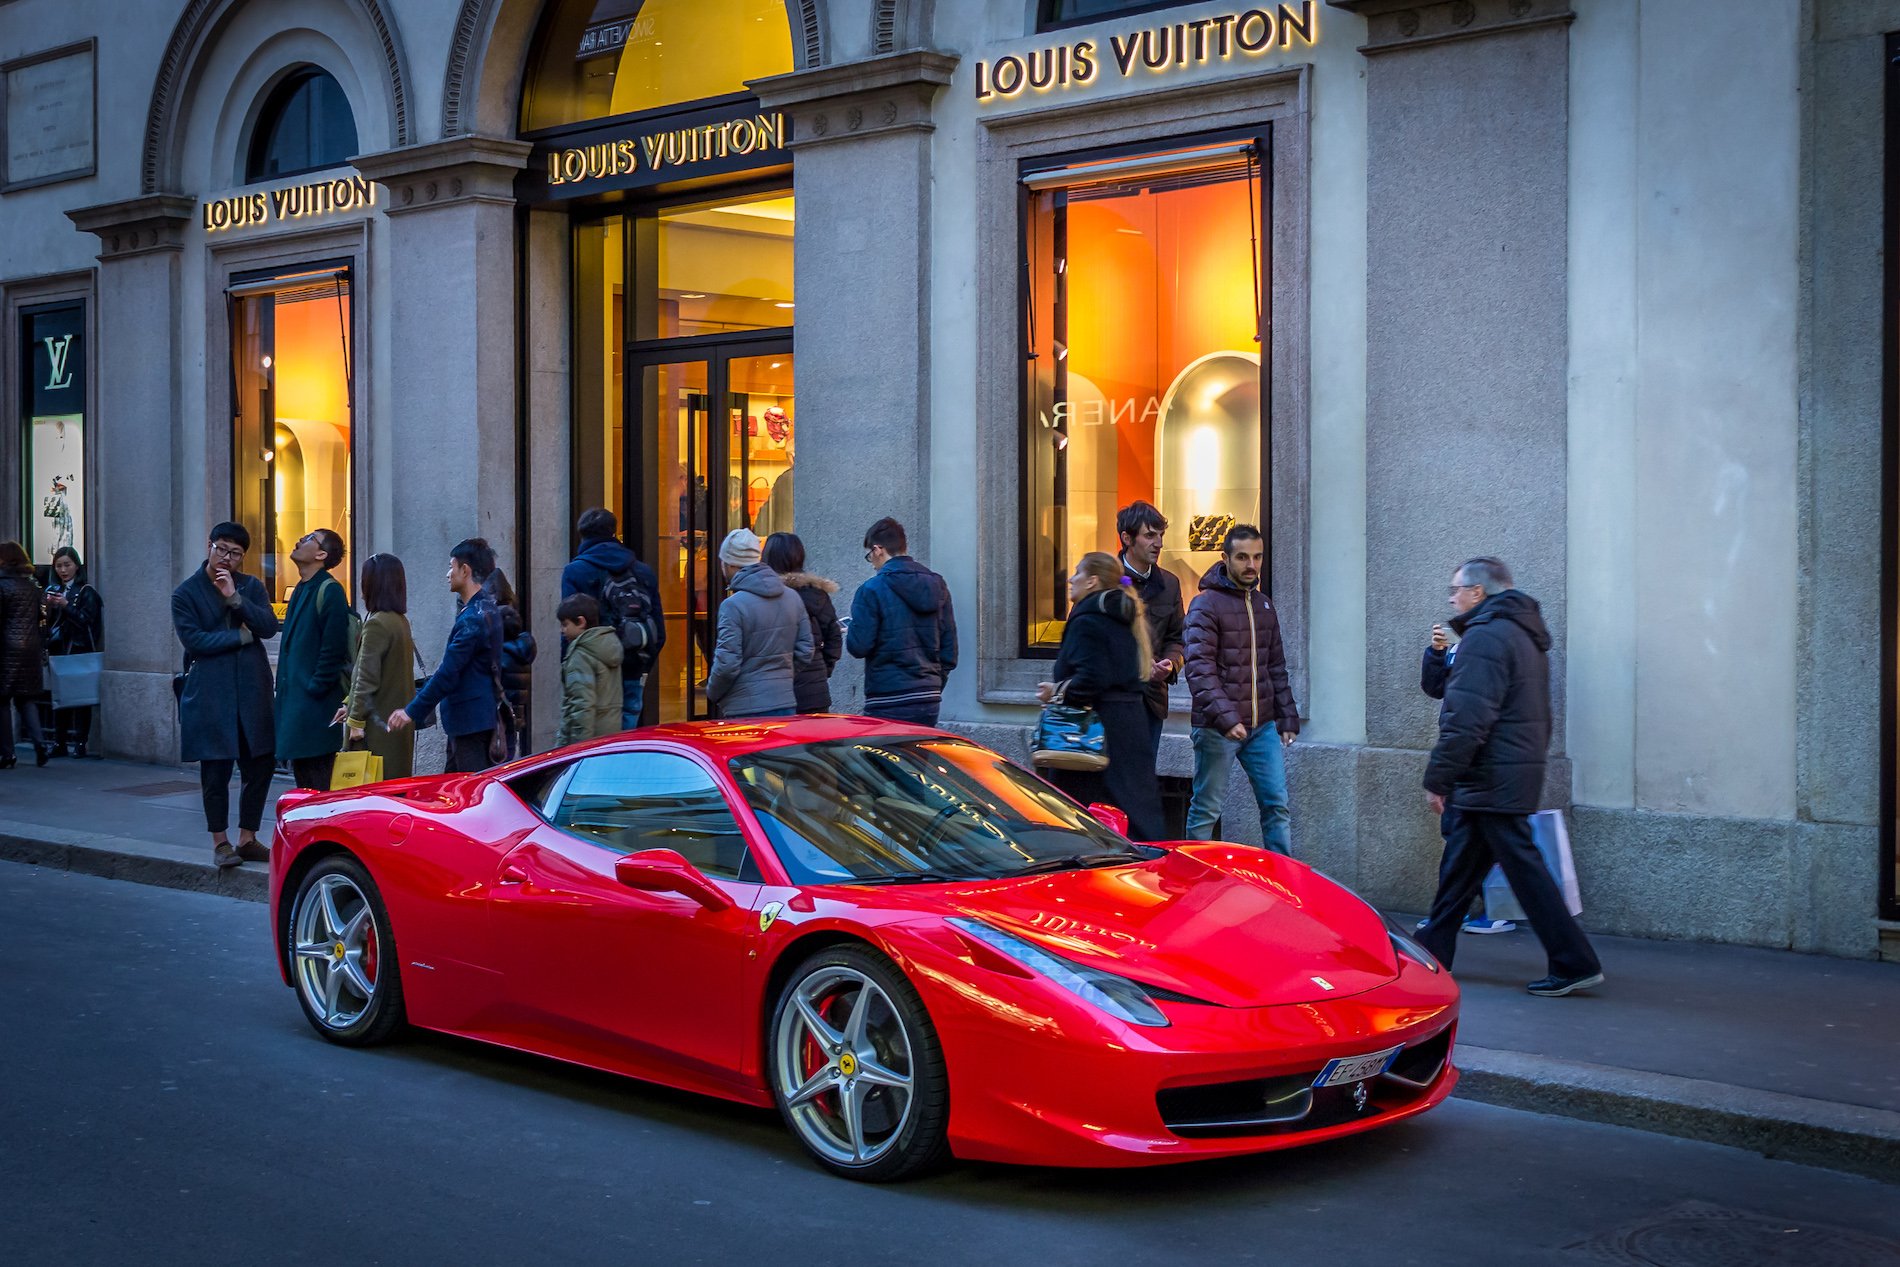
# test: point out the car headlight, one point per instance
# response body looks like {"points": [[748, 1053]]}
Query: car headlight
{"points": [[1403, 943], [1118, 996]]}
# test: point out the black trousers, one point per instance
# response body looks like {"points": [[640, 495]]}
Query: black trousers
{"points": [[468, 754], [215, 778], [29, 710], [72, 725], [313, 772], [1129, 782], [919, 714], [1476, 839]]}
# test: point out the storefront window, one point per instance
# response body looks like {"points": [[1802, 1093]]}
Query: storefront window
{"points": [[291, 372], [305, 126], [53, 346], [599, 57], [716, 267], [1143, 369]]}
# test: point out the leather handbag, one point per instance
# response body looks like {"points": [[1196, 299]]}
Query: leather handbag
{"points": [[73, 680], [1068, 737]]}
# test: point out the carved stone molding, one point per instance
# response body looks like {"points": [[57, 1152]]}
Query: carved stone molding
{"points": [[137, 226], [863, 98], [1395, 25], [455, 170]]}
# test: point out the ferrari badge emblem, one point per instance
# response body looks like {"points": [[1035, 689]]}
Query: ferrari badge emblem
{"points": [[847, 1064], [1323, 983], [769, 914], [1359, 1097]]}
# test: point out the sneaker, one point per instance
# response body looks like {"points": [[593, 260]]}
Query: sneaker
{"points": [[253, 851], [1557, 987], [225, 856], [1477, 924]]}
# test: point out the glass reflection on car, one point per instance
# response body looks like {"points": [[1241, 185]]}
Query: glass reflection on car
{"points": [[915, 811]]}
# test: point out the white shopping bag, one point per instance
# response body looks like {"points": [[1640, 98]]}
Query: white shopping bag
{"points": [[1499, 900], [1553, 841]]}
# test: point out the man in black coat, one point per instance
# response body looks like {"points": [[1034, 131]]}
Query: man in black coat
{"points": [[1493, 742], [1142, 527], [225, 717]]}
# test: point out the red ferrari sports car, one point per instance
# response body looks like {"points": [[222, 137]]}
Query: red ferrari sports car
{"points": [[908, 944]]}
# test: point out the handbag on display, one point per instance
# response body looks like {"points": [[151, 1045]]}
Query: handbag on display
{"points": [[1068, 737], [73, 680], [355, 768]]}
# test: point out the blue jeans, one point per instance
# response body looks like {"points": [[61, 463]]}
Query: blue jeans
{"points": [[633, 695], [1261, 757]]}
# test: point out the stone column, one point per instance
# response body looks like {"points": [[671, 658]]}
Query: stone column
{"points": [[1466, 429], [861, 136], [451, 412], [144, 549]]}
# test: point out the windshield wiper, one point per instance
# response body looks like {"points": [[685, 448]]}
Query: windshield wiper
{"points": [[916, 877], [1074, 862]]}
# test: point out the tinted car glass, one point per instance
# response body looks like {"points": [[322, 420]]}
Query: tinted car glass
{"points": [[630, 801], [845, 810]]}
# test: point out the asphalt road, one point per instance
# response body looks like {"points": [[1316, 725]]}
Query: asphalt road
{"points": [[163, 1101]]}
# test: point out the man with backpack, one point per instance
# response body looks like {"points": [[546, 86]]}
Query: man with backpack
{"points": [[629, 597]]}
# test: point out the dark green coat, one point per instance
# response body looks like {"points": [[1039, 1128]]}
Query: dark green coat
{"points": [[312, 659]]}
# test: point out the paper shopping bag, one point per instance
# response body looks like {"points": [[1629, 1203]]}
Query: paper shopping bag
{"points": [[353, 769]]}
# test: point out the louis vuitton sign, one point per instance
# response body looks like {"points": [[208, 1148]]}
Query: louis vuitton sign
{"points": [[645, 150], [269, 206]]}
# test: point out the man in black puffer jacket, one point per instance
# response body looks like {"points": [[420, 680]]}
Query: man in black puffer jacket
{"points": [[1493, 742]]}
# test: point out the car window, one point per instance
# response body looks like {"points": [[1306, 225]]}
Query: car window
{"points": [[629, 801], [540, 789]]}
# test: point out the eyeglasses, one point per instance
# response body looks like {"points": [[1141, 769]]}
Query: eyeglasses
{"points": [[228, 551], [1451, 591], [867, 556]]}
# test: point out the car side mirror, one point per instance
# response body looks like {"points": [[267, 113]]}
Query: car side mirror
{"points": [[664, 871], [1110, 817]]}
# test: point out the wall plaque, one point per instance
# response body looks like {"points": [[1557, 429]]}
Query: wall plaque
{"points": [[48, 102]]}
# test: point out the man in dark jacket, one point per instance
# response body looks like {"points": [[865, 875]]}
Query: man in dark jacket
{"points": [[224, 705], [1142, 528], [465, 686], [313, 662], [600, 559], [1493, 742], [1433, 672], [1236, 668], [903, 629]]}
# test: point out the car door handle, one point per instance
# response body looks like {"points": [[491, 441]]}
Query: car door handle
{"points": [[511, 874]]}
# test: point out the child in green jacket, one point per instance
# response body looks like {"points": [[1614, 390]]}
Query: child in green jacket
{"points": [[590, 672]]}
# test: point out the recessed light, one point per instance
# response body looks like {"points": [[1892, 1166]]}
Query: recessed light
{"points": [[692, 296], [784, 305], [267, 362], [776, 364]]}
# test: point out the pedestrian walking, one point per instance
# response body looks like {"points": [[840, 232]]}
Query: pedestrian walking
{"points": [[225, 715], [314, 661], [629, 596], [784, 553], [1493, 743], [383, 677], [590, 673], [1105, 663], [1142, 528], [903, 629], [764, 636], [1433, 672], [1236, 669], [466, 685], [22, 648], [75, 625], [517, 660]]}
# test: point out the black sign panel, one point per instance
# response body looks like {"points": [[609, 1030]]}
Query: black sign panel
{"points": [[644, 150], [55, 361]]}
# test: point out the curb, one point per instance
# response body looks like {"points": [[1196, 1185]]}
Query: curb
{"points": [[1863, 1141], [127, 858]]}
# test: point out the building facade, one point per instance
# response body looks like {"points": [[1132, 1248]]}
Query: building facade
{"points": [[1599, 286]]}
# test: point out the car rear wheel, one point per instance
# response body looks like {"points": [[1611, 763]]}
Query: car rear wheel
{"points": [[857, 1069], [343, 955]]}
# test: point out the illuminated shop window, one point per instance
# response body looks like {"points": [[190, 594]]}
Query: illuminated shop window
{"points": [[594, 58], [1143, 369], [716, 267], [306, 126], [53, 447]]}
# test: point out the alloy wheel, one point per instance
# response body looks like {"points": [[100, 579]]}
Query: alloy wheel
{"points": [[844, 1066], [336, 951]]}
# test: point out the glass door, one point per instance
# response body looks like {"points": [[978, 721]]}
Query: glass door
{"points": [[698, 475]]}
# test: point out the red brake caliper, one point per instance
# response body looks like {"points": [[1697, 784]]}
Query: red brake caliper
{"points": [[369, 954]]}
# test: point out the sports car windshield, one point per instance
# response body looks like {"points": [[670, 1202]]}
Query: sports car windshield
{"points": [[911, 810]]}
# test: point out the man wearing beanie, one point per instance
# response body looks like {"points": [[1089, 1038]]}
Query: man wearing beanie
{"points": [[764, 636]]}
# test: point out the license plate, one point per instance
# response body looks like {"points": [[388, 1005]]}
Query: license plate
{"points": [[1338, 1073]]}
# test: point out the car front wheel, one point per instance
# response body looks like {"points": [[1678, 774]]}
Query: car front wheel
{"points": [[856, 1067], [343, 955]]}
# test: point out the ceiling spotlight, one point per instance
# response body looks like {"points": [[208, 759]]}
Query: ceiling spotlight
{"points": [[267, 362], [685, 296], [784, 305]]}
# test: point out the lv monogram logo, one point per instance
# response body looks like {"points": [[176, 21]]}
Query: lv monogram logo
{"points": [[56, 352]]}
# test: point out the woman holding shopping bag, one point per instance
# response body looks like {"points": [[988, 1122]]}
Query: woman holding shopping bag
{"points": [[384, 678], [75, 625]]}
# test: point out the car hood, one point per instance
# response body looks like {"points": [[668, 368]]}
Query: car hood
{"points": [[1235, 926]]}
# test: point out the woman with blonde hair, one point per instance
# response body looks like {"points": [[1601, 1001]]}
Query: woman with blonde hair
{"points": [[1105, 661]]}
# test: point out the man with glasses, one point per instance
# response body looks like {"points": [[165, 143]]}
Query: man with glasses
{"points": [[225, 717], [903, 629]]}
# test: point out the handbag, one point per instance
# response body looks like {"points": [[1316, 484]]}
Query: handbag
{"points": [[354, 769], [73, 680], [1068, 737]]}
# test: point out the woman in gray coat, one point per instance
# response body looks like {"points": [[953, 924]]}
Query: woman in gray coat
{"points": [[764, 636]]}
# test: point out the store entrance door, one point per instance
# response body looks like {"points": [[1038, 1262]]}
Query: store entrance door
{"points": [[716, 423]]}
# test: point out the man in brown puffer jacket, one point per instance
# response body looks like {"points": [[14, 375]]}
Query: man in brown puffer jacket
{"points": [[1236, 671]]}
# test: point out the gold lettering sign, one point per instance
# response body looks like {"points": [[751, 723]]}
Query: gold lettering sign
{"points": [[319, 198], [678, 148], [1158, 49]]}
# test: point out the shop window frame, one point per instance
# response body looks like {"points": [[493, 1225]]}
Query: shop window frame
{"points": [[1045, 22], [17, 504], [1261, 137]]}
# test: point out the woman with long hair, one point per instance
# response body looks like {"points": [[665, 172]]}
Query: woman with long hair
{"points": [[1105, 662], [22, 645], [384, 678], [784, 553], [75, 625]]}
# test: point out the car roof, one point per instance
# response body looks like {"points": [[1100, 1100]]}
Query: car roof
{"points": [[739, 736]]}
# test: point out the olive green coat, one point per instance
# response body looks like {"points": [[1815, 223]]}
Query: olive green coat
{"points": [[590, 686], [384, 681]]}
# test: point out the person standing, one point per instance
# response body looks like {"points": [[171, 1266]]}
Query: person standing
{"points": [[384, 675], [313, 662], [590, 673], [1493, 743], [222, 617], [22, 646], [1433, 672], [764, 636], [903, 629], [785, 554], [602, 569], [75, 625], [466, 686], [517, 659], [1106, 663], [1236, 669], [1142, 528]]}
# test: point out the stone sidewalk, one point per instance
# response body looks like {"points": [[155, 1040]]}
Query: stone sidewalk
{"points": [[1794, 1056]]}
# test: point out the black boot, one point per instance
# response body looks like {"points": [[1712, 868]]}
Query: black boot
{"points": [[42, 753]]}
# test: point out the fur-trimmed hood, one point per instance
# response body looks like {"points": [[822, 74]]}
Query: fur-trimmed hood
{"points": [[809, 580]]}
